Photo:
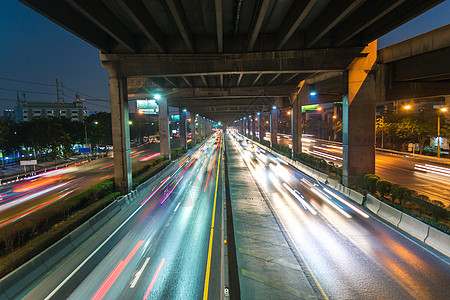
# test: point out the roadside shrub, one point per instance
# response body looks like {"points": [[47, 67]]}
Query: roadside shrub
{"points": [[398, 192], [265, 143], [282, 150], [383, 187], [190, 145], [370, 181]]}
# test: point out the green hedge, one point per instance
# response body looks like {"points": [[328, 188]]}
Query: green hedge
{"points": [[286, 151], [430, 211], [265, 143], [177, 152], [318, 163], [151, 172], [190, 145]]}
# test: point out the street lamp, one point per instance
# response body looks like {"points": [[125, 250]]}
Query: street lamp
{"points": [[442, 109]]}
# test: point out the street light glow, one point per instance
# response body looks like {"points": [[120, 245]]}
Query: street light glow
{"points": [[312, 93], [319, 108], [274, 107], [130, 122], [157, 96], [407, 107], [288, 112], [444, 109]]}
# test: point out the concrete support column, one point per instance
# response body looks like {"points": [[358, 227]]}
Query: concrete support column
{"points": [[358, 129], [183, 135], [253, 125], [193, 128], [261, 130], [297, 117], [273, 126], [204, 131], [120, 132], [164, 136], [242, 126]]}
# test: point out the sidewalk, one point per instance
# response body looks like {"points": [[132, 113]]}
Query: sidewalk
{"points": [[268, 268]]}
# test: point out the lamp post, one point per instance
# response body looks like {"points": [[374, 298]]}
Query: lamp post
{"points": [[442, 109]]}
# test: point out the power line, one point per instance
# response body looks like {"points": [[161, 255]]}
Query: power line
{"points": [[31, 92], [22, 81], [65, 87]]}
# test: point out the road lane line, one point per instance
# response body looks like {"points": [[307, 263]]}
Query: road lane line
{"points": [[147, 293], [176, 208], [208, 262], [139, 273]]}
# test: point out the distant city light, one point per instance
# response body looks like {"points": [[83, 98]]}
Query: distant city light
{"points": [[444, 109], [334, 117], [184, 109], [130, 122], [319, 108], [274, 107], [312, 93], [407, 107]]}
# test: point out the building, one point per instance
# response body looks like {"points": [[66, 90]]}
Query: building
{"points": [[25, 111], [9, 114]]}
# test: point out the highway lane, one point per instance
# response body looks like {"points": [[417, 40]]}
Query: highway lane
{"points": [[351, 254], [18, 199], [172, 250], [427, 178]]}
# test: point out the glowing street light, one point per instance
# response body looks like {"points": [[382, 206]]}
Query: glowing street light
{"points": [[312, 93], [442, 109], [157, 96], [407, 107]]}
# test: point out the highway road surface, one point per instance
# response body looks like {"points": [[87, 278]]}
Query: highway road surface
{"points": [[427, 178], [349, 252], [172, 250]]}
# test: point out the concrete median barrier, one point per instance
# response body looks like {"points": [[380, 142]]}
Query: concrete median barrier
{"points": [[390, 214], [81, 233], [97, 221], [414, 227], [57, 251], [16, 281], [372, 203], [114, 209], [438, 240], [355, 196]]}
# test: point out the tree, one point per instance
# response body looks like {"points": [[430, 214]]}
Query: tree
{"points": [[415, 130]]}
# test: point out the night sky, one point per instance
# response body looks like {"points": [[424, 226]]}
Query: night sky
{"points": [[34, 49]]}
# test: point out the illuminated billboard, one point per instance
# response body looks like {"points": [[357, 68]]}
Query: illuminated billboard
{"points": [[147, 107]]}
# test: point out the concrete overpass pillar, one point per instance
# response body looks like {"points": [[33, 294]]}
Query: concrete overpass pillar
{"points": [[241, 126], [120, 131], [245, 126], [297, 117], [273, 126], [194, 128], [358, 131], [253, 125], [183, 135], [164, 136], [204, 131], [260, 126]]}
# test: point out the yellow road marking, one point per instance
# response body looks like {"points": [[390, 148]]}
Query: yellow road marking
{"points": [[208, 263]]}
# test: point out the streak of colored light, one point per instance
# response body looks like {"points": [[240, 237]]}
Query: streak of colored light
{"points": [[106, 167], [168, 194], [212, 167], [154, 192], [28, 186], [191, 163], [104, 288], [150, 156], [185, 161], [34, 209], [152, 283], [35, 194]]}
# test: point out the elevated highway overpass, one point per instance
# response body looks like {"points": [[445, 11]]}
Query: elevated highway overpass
{"points": [[225, 59]]}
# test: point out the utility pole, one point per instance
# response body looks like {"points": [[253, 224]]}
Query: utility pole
{"points": [[57, 98]]}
